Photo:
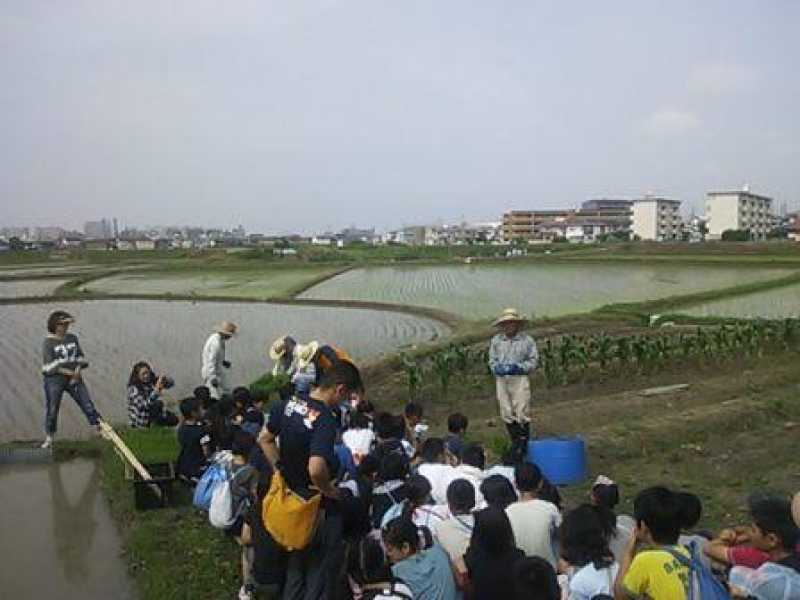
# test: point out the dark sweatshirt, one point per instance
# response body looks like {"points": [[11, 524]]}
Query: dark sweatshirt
{"points": [[61, 353]]}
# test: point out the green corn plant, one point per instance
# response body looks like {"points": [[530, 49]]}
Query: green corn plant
{"points": [[789, 332], [461, 356], [414, 376], [623, 352], [442, 363], [549, 364], [601, 349]]}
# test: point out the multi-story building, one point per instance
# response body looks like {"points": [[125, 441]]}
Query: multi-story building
{"points": [[741, 210], [526, 224], [97, 230], [657, 219]]}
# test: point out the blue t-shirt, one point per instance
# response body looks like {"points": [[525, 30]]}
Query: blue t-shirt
{"points": [[304, 428], [428, 574]]}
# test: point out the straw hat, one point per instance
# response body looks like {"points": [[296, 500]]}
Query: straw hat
{"points": [[796, 509], [278, 348], [226, 328], [510, 315], [305, 354]]}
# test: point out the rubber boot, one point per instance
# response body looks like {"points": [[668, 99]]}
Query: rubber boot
{"points": [[518, 444]]}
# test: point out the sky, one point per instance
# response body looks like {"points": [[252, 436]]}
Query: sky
{"points": [[315, 115]]}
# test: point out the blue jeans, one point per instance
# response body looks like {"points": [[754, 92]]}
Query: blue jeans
{"points": [[54, 388]]}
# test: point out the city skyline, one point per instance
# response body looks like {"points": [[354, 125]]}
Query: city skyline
{"points": [[313, 116]]}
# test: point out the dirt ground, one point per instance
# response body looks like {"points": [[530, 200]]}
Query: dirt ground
{"points": [[735, 430]]}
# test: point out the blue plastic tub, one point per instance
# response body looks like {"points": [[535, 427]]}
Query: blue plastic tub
{"points": [[562, 460]]}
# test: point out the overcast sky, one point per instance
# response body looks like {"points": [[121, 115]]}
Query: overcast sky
{"points": [[304, 116]]}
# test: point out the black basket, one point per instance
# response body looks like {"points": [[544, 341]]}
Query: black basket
{"points": [[144, 494]]}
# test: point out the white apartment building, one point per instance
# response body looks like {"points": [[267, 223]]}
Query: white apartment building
{"points": [[741, 210], [657, 219]]}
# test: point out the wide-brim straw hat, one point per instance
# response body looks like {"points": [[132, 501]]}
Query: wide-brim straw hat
{"points": [[278, 348], [306, 353], [510, 315], [226, 328]]}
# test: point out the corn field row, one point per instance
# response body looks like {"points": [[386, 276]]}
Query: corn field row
{"points": [[566, 358]]}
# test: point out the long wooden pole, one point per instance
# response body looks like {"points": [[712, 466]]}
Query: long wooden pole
{"points": [[122, 448]]}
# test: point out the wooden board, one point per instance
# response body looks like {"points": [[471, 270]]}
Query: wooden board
{"points": [[125, 452]]}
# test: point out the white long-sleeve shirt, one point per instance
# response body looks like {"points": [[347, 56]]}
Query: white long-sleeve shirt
{"points": [[520, 351], [213, 357]]}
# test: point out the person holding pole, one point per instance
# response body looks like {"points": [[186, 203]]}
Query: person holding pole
{"points": [[62, 365]]}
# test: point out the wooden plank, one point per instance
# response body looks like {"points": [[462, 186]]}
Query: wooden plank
{"points": [[667, 389], [123, 450]]}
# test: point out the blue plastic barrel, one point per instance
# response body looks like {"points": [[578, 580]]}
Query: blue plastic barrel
{"points": [[562, 459]]}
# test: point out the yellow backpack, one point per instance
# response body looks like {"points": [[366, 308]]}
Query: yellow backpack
{"points": [[290, 519]]}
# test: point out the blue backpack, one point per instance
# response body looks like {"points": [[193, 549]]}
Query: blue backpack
{"points": [[214, 475], [703, 585]]}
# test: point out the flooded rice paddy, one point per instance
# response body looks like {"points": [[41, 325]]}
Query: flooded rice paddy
{"points": [[170, 335], [25, 288], [477, 291], [776, 303], [59, 540], [244, 284]]}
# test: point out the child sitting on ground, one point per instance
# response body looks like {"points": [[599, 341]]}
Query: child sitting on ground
{"points": [[655, 572], [194, 441], [359, 438], [457, 428]]}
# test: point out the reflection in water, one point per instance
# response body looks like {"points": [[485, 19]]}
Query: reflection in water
{"points": [[74, 525]]}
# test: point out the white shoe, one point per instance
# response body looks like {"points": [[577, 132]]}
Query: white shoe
{"points": [[47, 443], [245, 593]]}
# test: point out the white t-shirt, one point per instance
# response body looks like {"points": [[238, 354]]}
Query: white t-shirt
{"points": [[589, 582], [507, 472], [440, 477], [454, 534], [358, 441], [534, 523]]}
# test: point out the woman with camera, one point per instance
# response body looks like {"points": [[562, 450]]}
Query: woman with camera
{"points": [[145, 407]]}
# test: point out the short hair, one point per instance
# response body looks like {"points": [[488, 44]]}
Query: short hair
{"points": [[528, 477], [202, 393], [243, 443], [692, 509], [774, 515], [460, 496], [498, 491], [413, 410], [189, 406], [535, 579], [388, 426], [55, 318], [664, 512], [341, 373], [358, 420], [474, 456], [432, 449], [606, 496], [400, 531], [457, 423], [241, 395]]}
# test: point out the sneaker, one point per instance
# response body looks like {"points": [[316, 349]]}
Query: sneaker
{"points": [[246, 593], [48, 442]]}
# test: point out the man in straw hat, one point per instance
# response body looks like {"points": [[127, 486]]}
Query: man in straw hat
{"points": [[512, 357], [214, 367], [282, 352]]}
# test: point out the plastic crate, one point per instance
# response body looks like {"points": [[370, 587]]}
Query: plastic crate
{"points": [[145, 496]]}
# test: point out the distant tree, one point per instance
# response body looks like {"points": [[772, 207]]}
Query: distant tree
{"points": [[736, 235], [15, 244], [779, 233]]}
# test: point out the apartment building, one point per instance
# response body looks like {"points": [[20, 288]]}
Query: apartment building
{"points": [[657, 219], [526, 224], [740, 210]]}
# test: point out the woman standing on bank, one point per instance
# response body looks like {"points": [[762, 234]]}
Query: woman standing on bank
{"points": [[62, 365]]}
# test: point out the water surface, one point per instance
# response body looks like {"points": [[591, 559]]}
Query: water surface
{"points": [[777, 303], [58, 539], [551, 289], [170, 335]]}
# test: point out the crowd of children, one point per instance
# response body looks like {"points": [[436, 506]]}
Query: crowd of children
{"points": [[423, 517]]}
